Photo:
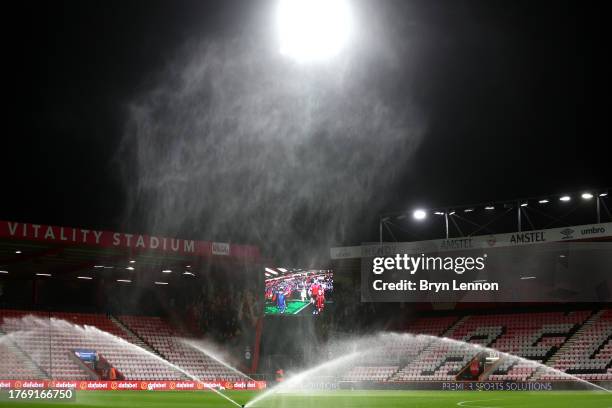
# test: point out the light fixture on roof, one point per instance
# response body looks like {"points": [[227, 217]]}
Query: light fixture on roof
{"points": [[543, 201], [565, 198], [161, 283], [85, 277], [524, 205], [272, 271], [3, 271], [167, 271], [187, 266], [17, 252], [132, 261], [188, 273], [439, 213], [130, 268], [489, 207], [419, 214], [98, 266], [313, 30], [451, 213], [587, 196], [124, 280], [467, 210], [603, 194], [43, 274]]}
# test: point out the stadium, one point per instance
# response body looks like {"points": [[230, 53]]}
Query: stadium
{"points": [[307, 203]]}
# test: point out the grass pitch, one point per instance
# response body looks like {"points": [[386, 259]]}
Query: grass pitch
{"points": [[336, 399], [293, 307]]}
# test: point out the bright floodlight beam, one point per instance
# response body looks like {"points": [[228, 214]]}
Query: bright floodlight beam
{"points": [[419, 215], [313, 30]]}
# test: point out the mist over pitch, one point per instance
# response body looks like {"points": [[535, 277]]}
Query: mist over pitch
{"points": [[235, 142]]}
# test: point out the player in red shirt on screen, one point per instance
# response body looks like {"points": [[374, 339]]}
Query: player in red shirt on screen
{"points": [[320, 305]]}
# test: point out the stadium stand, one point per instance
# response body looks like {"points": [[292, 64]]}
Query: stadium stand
{"points": [[578, 343], [588, 354], [59, 341], [166, 340]]}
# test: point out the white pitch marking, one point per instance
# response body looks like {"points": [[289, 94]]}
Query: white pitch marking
{"points": [[461, 404]]}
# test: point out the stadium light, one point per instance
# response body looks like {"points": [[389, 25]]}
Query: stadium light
{"points": [[43, 274], [130, 268], [161, 283], [272, 271], [3, 271], [132, 261], [98, 266], [187, 266], [467, 210], [524, 205], [439, 213], [313, 30], [544, 201], [419, 214], [85, 277], [167, 271], [124, 280], [565, 198], [451, 213], [489, 207], [603, 194], [18, 252], [188, 273], [587, 196]]}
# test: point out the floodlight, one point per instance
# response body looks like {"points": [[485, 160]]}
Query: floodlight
{"points": [[524, 205], [419, 215], [312, 30], [565, 198], [603, 194], [489, 207], [587, 196], [272, 271], [543, 201]]}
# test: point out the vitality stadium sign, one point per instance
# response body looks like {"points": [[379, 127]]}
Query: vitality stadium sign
{"points": [[581, 232], [108, 239]]}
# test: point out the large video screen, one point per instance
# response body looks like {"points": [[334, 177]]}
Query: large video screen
{"points": [[297, 291]]}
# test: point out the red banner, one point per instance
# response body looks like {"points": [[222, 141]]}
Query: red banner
{"points": [[136, 242], [134, 385]]}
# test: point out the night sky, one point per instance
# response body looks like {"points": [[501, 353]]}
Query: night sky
{"points": [[515, 92]]}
